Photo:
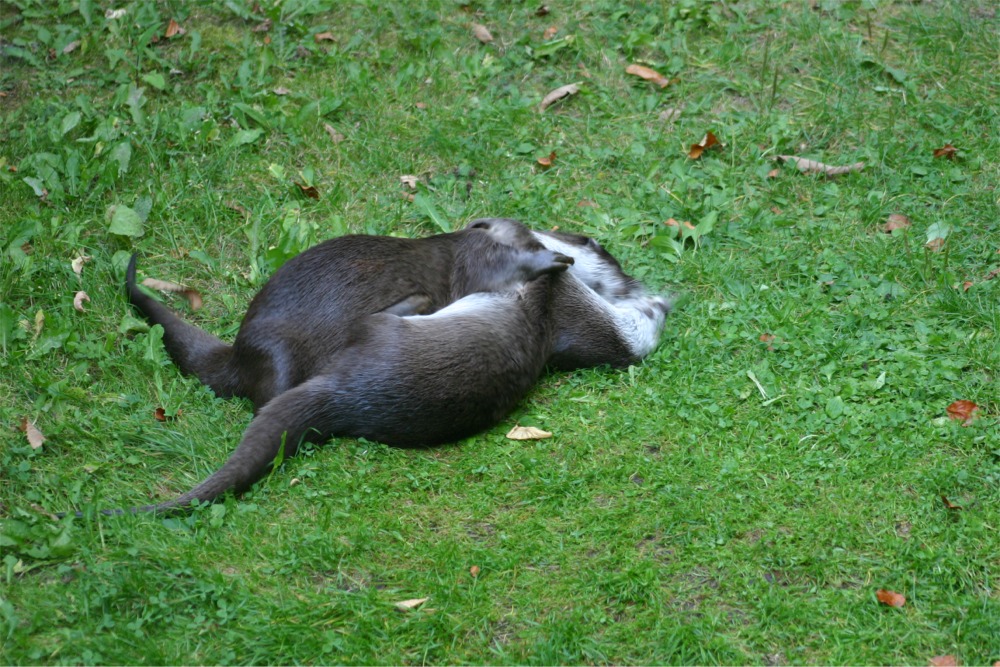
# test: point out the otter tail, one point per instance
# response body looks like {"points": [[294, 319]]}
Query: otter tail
{"points": [[300, 414], [195, 352]]}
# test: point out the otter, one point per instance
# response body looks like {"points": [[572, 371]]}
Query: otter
{"points": [[406, 380], [302, 314]]}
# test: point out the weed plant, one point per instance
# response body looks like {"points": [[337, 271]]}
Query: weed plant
{"points": [[739, 497]]}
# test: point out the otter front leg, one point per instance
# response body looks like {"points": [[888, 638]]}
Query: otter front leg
{"points": [[415, 304], [532, 264]]}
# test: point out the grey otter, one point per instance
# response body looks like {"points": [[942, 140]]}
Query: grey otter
{"points": [[409, 380], [303, 314]]}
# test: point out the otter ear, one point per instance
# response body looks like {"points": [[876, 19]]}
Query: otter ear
{"points": [[481, 223]]}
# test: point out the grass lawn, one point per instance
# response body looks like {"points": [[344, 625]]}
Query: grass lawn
{"points": [[740, 497]]}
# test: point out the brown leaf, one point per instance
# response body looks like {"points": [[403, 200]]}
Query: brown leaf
{"points": [[409, 181], [281, 90], [78, 300], [323, 37], [173, 28], [558, 94], [811, 166], [895, 221], [943, 661], [407, 605], [992, 274], [474, 571], [160, 415], [35, 437], [528, 433], [648, 74], [768, 338], [702, 146], [542, 11], [947, 151], [71, 47], [966, 285], [670, 115], [192, 295], [550, 32], [481, 33], [773, 173], [964, 411], [948, 504], [263, 27], [420, 105], [890, 598], [935, 244], [308, 190], [546, 162], [336, 136]]}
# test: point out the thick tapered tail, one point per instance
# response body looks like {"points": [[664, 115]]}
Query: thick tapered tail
{"points": [[300, 414], [195, 352]]}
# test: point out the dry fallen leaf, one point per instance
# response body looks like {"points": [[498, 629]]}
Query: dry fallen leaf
{"points": [[811, 166], [35, 437], [78, 300], [336, 136], [966, 285], [707, 142], [407, 605], [890, 598], [481, 33], [78, 263], [192, 295], [947, 151], [263, 27], [964, 411], [948, 504], [308, 190], [39, 324], [935, 244], [542, 11], [550, 32], [895, 221], [409, 181], [768, 339], [648, 74], [546, 162], [528, 433], [670, 115], [71, 47], [420, 105], [943, 661], [239, 208], [474, 571], [323, 37], [558, 94], [773, 173], [281, 90], [173, 28]]}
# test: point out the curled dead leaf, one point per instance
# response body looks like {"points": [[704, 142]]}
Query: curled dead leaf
{"points": [[546, 161], [308, 190], [935, 244], [707, 142], [963, 411], [409, 181], [948, 505], [528, 433], [773, 173], [407, 605], [78, 300], [35, 437], [966, 285], [474, 571], [281, 91], [323, 37], [71, 47], [649, 74], [558, 94], [943, 661], [947, 151], [550, 32], [814, 167], [192, 295], [78, 263], [768, 339], [895, 221], [173, 28], [481, 33], [890, 598]]}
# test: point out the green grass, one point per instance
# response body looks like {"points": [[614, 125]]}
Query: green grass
{"points": [[680, 514]]}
